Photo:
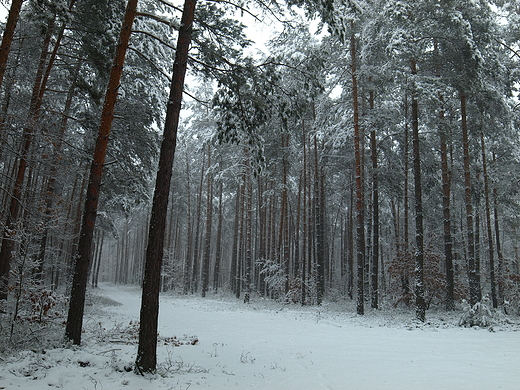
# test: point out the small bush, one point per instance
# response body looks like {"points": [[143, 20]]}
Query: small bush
{"points": [[479, 315]]}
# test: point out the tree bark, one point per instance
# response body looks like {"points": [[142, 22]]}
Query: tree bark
{"points": [[146, 354], [319, 226], [360, 198], [218, 249], [8, 239], [474, 288], [375, 214], [446, 196], [207, 238], [189, 232], [419, 224], [248, 233], [83, 255], [489, 229], [196, 246], [7, 38], [499, 246]]}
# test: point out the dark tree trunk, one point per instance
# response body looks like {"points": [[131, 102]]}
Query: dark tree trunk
{"points": [[218, 249], [489, 226], [146, 353], [262, 240], [499, 247], [207, 238], [474, 288], [283, 245], [240, 243], [248, 234], [319, 226], [233, 277], [360, 197], [8, 240], [95, 278], [50, 192], [375, 214], [7, 38], [305, 220], [196, 246], [405, 278], [189, 233], [446, 196], [419, 224], [83, 255]]}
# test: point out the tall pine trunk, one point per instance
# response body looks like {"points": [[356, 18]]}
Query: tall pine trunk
{"points": [[319, 204], [419, 224], [196, 246], [8, 239], [489, 227], [207, 239], [7, 38], [374, 273], [446, 196], [218, 248], [474, 288], [83, 255], [360, 199], [147, 350]]}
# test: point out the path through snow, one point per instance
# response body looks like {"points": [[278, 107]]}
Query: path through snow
{"points": [[270, 346]]}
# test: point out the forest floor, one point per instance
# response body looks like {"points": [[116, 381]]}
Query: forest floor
{"points": [[220, 343]]}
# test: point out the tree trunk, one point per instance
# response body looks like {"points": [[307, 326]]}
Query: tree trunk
{"points": [[360, 197], [419, 224], [248, 232], [499, 247], [146, 354], [50, 192], [218, 249], [474, 288], [7, 39], [446, 196], [319, 226], [233, 277], [489, 229], [196, 246], [305, 220], [375, 214], [8, 239], [207, 238], [83, 255], [189, 232]]}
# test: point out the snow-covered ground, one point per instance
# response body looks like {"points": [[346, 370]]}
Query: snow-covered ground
{"points": [[266, 345]]}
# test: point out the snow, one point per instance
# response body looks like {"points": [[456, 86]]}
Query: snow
{"points": [[266, 345]]}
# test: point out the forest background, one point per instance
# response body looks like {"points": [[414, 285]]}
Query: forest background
{"points": [[373, 161]]}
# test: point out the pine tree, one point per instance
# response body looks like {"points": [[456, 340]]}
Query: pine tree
{"points": [[146, 360], [83, 256]]}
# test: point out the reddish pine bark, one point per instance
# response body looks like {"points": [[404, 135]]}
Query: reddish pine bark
{"points": [[7, 39], [83, 255]]}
